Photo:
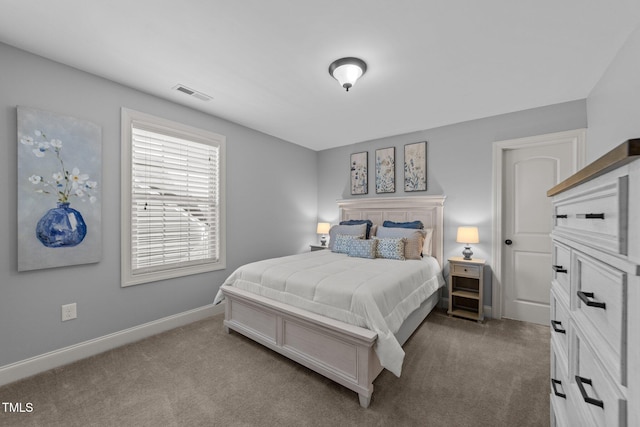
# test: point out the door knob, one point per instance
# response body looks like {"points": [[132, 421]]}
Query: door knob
{"points": [[508, 242]]}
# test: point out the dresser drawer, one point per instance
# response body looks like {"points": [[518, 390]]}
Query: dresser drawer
{"points": [[600, 299], [597, 396], [561, 256], [465, 270], [560, 326], [597, 215], [559, 389]]}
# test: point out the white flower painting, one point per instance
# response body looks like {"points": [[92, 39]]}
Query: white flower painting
{"points": [[415, 167], [59, 175], [386, 170], [359, 173]]}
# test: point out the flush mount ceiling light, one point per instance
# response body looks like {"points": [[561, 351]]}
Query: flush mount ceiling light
{"points": [[347, 70]]}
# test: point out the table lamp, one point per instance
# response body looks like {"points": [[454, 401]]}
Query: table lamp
{"points": [[323, 229], [467, 235]]}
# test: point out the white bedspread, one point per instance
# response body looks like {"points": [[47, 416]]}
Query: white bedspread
{"points": [[377, 294]]}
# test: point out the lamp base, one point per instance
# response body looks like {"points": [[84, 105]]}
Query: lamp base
{"points": [[323, 241], [467, 253]]}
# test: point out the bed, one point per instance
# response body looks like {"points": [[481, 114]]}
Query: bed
{"points": [[349, 337]]}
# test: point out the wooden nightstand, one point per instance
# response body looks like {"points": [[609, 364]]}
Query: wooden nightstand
{"points": [[318, 247], [465, 288]]}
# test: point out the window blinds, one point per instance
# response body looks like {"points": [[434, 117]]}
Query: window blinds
{"points": [[175, 201]]}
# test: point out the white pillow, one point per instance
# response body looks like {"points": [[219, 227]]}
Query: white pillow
{"points": [[427, 250]]}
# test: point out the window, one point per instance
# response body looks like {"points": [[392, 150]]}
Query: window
{"points": [[172, 199]]}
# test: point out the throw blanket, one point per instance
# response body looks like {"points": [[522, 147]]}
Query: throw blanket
{"points": [[377, 294]]}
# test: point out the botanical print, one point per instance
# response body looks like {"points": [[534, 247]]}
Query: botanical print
{"points": [[386, 170], [415, 167], [59, 174], [359, 184]]}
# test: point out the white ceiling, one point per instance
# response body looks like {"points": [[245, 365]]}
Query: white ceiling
{"points": [[264, 62]]}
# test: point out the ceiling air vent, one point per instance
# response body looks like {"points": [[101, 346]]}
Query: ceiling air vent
{"points": [[201, 96]]}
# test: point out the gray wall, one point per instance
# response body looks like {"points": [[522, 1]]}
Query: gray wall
{"points": [[459, 166], [613, 106], [271, 211]]}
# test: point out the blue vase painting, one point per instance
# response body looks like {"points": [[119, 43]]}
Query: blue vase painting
{"points": [[61, 227], [59, 161]]}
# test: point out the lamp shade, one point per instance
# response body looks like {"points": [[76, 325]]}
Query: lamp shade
{"points": [[347, 70], [467, 235], [323, 228]]}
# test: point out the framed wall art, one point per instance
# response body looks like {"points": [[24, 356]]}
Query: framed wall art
{"points": [[415, 167], [359, 173], [59, 176], [386, 170]]}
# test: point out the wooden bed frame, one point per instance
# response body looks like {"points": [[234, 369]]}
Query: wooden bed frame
{"points": [[341, 352]]}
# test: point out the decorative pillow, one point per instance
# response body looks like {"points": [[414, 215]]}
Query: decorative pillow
{"points": [[374, 230], [353, 230], [414, 239], [363, 248], [390, 248], [343, 242], [426, 247], [358, 222], [413, 224]]}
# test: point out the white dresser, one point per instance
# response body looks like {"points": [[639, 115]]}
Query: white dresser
{"points": [[595, 293]]}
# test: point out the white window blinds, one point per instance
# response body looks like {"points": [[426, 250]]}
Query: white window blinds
{"points": [[175, 203]]}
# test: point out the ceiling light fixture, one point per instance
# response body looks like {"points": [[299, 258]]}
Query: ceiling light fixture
{"points": [[347, 71]]}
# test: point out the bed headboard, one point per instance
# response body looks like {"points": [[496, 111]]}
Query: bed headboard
{"points": [[428, 209]]}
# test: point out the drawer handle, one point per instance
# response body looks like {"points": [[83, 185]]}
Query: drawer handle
{"points": [[562, 216], [581, 381], [590, 216], [555, 324], [559, 269], [587, 298], [555, 382]]}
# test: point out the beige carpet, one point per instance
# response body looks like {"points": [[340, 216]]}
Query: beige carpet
{"points": [[456, 373]]}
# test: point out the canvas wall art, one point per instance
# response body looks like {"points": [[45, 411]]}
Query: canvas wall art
{"points": [[359, 173], [386, 170], [59, 176], [415, 166]]}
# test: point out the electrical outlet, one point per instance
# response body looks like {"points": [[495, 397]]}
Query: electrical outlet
{"points": [[69, 311]]}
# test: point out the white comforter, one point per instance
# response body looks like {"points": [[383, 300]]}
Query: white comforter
{"points": [[377, 294]]}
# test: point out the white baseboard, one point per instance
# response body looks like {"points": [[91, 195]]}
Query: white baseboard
{"points": [[35, 365]]}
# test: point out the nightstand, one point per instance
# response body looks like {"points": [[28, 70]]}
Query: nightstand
{"points": [[465, 288], [318, 247]]}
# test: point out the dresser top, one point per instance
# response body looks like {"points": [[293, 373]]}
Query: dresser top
{"points": [[619, 156]]}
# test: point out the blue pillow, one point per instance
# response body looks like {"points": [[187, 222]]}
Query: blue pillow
{"points": [[413, 224], [343, 243], [358, 222], [363, 248]]}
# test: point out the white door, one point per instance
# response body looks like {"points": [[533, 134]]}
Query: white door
{"points": [[528, 173]]}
